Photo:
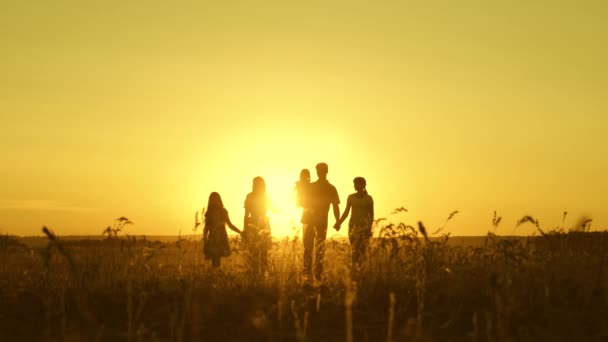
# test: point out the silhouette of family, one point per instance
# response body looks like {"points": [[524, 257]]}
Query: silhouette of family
{"points": [[315, 199]]}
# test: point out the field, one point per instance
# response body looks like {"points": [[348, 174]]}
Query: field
{"points": [[550, 287]]}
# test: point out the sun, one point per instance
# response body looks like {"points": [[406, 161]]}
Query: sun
{"points": [[282, 211]]}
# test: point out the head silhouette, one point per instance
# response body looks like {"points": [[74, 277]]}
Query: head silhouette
{"points": [[305, 176], [215, 202], [322, 170], [259, 185], [359, 183]]}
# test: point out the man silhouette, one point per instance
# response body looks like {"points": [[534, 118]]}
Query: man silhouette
{"points": [[322, 195]]}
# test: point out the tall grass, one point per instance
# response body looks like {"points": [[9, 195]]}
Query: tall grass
{"points": [[411, 287]]}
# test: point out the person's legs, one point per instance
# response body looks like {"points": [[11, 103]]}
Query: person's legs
{"points": [[320, 237], [309, 244], [266, 245], [363, 247], [215, 262], [359, 240], [353, 248]]}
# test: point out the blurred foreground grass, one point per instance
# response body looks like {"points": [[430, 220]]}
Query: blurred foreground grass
{"points": [[545, 288]]}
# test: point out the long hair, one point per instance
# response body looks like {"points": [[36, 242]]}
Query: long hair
{"points": [[305, 175], [259, 185], [215, 203], [304, 179]]}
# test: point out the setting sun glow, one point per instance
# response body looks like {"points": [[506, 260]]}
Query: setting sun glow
{"points": [[462, 153], [142, 109]]}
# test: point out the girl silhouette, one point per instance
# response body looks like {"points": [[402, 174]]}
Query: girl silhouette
{"points": [[360, 223], [215, 238]]}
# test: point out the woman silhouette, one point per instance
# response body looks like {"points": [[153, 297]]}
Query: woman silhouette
{"points": [[215, 238], [256, 230]]}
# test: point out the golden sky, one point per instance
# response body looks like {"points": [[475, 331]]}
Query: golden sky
{"points": [[142, 108]]}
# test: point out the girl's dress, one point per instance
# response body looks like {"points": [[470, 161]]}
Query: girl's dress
{"points": [[216, 245]]}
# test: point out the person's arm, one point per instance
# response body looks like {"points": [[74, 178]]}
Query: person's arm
{"points": [[372, 210], [245, 219], [336, 205], [232, 226], [345, 214], [205, 233]]}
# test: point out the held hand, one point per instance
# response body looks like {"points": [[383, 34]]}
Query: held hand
{"points": [[337, 226]]}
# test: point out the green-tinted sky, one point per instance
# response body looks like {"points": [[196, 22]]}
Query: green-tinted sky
{"points": [[142, 108]]}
